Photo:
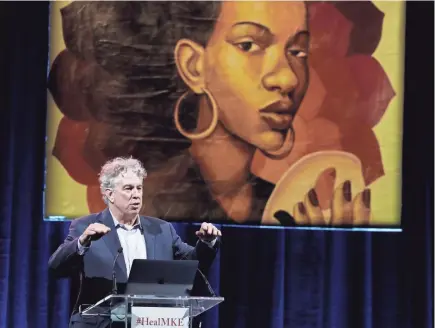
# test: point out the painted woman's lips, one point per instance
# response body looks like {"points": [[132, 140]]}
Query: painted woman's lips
{"points": [[278, 121], [278, 115]]}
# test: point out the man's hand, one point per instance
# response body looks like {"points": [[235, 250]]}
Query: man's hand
{"points": [[93, 232], [208, 232]]}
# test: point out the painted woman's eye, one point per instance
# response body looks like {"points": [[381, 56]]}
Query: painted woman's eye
{"points": [[298, 53], [248, 46]]}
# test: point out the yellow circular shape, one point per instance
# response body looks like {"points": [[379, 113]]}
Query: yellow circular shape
{"points": [[302, 176]]}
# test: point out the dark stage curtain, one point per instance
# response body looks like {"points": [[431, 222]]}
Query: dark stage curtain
{"points": [[270, 278]]}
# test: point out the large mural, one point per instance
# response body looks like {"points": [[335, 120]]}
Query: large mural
{"points": [[259, 113]]}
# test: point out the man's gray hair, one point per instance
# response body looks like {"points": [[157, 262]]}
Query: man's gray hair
{"points": [[112, 169]]}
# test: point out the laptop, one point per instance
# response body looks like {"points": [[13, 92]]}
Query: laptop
{"points": [[161, 278]]}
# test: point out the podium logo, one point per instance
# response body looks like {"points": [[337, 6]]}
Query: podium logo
{"points": [[155, 322]]}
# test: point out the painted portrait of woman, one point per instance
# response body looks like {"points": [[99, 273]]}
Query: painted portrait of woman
{"points": [[242, 112]]}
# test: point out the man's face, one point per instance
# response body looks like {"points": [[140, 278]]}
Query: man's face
{"points": [[127, 194]]}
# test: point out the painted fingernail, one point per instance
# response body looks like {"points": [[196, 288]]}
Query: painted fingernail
{"points": [[312, 196], [366, 197], [301, 208], [347, 192]]}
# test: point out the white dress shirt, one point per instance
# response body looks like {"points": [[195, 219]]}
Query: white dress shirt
{"points": [[131, 239], [132, 242]]}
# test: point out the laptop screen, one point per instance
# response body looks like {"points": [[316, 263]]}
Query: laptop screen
{"points": [[161, 278]]}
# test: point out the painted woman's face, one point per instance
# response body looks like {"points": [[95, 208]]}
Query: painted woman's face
{"points": [[256, 68]]}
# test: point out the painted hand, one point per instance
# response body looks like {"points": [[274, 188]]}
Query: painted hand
{"points": [[344, 209]]}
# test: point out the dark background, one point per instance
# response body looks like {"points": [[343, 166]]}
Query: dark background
{"points": [[270, 278]]}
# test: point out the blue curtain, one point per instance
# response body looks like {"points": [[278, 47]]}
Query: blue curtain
{"points": [[270, 278]]}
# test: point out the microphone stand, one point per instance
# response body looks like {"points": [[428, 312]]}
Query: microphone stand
{"points": [[204, 278], [210, 289], [114, 285]]}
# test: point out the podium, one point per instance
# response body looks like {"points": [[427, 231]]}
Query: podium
{"points": [[149, 311]]}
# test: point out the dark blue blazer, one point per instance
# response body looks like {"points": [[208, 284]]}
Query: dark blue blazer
{"points": [[95, 266]]}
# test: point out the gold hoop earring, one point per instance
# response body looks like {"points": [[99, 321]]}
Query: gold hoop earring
{"points": [[201, 135], [286, 147]]}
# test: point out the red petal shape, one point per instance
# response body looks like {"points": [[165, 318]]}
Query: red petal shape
{"points": [[314, 97], [329, 29], [323, 134], [96, 143], [361, 141], [374, 87], [68, 149], [367, 22], [340, 101], [95, 200], [68, 85]]}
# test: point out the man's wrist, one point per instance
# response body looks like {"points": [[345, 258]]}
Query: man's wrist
{"points": [[82, 248], [84, 241], [209, 243]]}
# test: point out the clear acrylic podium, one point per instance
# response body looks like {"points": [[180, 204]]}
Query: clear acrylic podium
{"points": [[121, 308]]}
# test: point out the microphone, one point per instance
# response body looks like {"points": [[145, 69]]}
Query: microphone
{"points": [[210, 290], [114, 286], [204, 278]]}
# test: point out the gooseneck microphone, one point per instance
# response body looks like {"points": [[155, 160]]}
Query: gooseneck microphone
{"points": [[210, 290], [204, 278], [114, 286]]}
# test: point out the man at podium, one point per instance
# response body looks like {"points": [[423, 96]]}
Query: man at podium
{"points": [[103, 245]]}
